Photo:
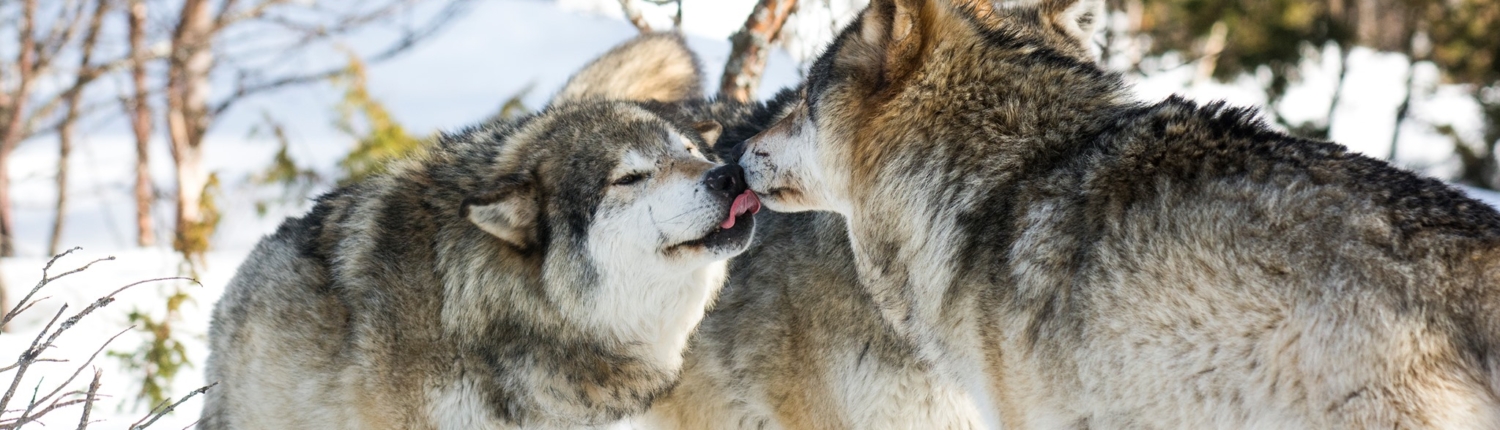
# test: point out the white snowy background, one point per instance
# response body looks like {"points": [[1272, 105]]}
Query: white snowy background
{"points": [[462, 76]]}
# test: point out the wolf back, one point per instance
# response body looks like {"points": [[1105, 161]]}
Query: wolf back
{"points": [[1077, 258]]}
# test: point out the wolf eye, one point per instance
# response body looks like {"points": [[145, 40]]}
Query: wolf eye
{"points": [[631, 179]]}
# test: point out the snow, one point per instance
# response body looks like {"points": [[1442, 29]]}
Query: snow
{"points": [[463, 75]]}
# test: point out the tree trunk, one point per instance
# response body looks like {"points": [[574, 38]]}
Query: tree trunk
{"points": [[7, 242], [189, 64], [4, 301], [1338, 90], [1218, 36], [633, 14], [140, 123], [1401, 112], [85, 74], [11, 135], [64, 150], [191, 179], [751, 46], [1412, 57]]}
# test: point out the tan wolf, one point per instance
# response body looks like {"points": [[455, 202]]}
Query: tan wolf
{"points": [[1080, 259], [539, 273], [793, 341]]}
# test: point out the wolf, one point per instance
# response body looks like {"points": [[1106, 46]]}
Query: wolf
{"points": [[540, 273], [793, 341], [1078, 258]]}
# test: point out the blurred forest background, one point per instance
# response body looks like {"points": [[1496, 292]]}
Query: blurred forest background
{"points": [[176, 132]]}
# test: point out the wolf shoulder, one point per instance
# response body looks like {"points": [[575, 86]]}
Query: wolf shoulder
{"points": [[1228, 157]]}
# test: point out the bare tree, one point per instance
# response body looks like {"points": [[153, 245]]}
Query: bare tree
{"points": [[72, 97], [191, 61], [139, 111], [751, 45], [188, 64], [22, 105], [13, 105]]}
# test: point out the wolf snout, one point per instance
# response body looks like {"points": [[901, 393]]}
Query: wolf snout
{"points": [[727, 180]]}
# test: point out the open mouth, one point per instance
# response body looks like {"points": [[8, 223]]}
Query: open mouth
{"points": [[735, 228]]}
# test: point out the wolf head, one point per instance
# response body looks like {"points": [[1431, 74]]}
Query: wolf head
{"points": [[598, 169], [615, 179], [618, 223], [902, 66]]}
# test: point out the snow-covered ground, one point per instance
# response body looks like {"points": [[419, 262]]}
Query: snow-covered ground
{"points": [[460, 77]]}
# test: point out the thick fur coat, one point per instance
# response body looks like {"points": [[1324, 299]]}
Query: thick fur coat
{"points": [[794, 341], [539, 273], [1075, 258]]}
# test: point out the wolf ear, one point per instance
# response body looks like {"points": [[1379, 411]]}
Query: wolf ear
{"points": [[650, 67], [709, 131], [508, 212], [1078, 18], [898, 29]]}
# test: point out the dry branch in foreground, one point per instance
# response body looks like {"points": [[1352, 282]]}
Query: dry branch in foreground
{"points": [[45, 400]]}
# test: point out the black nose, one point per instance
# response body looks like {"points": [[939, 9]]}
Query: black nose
{"points": [[737, 152], [728, 180]]}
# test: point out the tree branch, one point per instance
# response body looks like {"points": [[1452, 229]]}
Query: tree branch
{"points": [[751, 47], [58, 396], [451, 11], [88, 401], [633, 14], [159, 411]]}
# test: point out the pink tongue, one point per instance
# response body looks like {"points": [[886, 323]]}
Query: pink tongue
{"points": [[746, 202]]}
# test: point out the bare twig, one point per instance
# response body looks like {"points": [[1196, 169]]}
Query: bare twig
{"points": [[85, 364], [27, 358], [159, 411], [28, 417], [32, 303], [88, 401], [453, 10], [21, 305], [58, 396]]}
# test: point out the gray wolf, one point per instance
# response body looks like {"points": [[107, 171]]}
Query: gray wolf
{"points": [[1076, 258], [540, 273], [793, 341]]}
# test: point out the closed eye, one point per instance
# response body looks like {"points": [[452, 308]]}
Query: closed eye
{"points": [[631, 179]]}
